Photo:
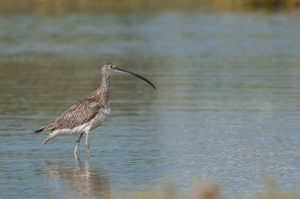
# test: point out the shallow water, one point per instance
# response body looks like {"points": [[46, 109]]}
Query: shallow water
{"points": [[226, 108]]}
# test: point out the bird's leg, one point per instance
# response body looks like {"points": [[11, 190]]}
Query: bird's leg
{"points": [[87, 142], [77, 143]]}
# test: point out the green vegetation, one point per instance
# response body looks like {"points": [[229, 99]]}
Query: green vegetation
{"points": [[61, 6]]}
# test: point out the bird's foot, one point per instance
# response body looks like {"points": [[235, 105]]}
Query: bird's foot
{"points": [[87, 146]]}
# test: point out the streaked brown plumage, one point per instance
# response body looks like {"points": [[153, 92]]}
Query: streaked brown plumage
{"points": [[88, 113]]}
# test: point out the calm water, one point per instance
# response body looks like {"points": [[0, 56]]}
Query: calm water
{"points": [[227, 107]]}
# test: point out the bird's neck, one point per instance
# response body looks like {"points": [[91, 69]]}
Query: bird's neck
{"points": [[104, 89]]}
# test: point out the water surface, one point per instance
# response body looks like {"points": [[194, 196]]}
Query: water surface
{"points": [[226, 108]]}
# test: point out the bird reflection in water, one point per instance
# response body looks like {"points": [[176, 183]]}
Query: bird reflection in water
{"points": [[77, 182]]}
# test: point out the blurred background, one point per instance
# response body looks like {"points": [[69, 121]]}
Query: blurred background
{"points": [[63, 6], [226, 109]]}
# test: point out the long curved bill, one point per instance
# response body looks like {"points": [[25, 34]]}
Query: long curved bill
{"points": [[116, 69]]}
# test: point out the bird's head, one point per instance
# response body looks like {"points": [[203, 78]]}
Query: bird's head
{"points": [[108, 68]]}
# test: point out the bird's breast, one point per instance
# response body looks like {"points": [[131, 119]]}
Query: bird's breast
{"points": [[106, 111], [97, 121]]}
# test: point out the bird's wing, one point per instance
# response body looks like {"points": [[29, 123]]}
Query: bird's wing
{"points": [[76, 115]]}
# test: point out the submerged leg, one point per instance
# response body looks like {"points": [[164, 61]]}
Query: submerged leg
{"points": [[87, 142], [77, 143]]}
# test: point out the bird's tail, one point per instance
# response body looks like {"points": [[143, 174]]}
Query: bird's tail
{"points": [[51, 135], [42, 129]]}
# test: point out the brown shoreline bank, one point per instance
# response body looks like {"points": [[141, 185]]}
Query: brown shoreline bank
{"points": [[64, 6]]}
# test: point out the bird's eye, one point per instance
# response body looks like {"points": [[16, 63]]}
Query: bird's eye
{"points": [[111, 66]]}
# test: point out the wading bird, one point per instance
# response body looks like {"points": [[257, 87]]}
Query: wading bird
{"points": [[88, 113]]}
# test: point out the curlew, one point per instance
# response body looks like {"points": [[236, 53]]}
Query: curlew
{"points": [[87, 114]]}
